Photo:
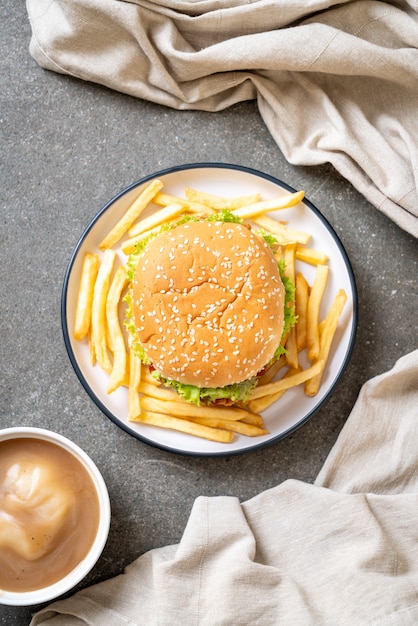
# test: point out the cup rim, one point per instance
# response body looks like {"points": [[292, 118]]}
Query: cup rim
{"points": [[45, 594]]}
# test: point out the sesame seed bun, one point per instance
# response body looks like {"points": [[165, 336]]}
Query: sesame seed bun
{"points": [[208, 303]]}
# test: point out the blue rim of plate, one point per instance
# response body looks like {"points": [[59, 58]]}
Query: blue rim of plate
{"points": [[221, 453]]}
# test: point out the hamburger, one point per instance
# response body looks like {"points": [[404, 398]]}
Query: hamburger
{"points": [[209, 307]]}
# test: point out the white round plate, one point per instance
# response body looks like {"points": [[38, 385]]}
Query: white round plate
{"points": [[294, 408]]}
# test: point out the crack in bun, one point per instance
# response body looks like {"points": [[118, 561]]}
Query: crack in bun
{"points": [[208, 303]]}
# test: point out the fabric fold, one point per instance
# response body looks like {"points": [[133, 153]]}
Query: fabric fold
{"points": [[376, 450], [334, 82]]}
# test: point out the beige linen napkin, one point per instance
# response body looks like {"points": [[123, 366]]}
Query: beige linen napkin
{"points": [[335, 81], [341, 552]]}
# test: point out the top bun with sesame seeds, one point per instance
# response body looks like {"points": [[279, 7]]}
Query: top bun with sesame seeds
{"points": [[208, 303]]}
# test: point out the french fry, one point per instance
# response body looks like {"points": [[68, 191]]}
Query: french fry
{"points": [[98, 314], [250, 430], [261, 404], [289, 258], [119, 367], [185, 426], [301, 304], [314, 304], [132, 214], [92, 351], [125, 382], [134, 406], [128, 246], [310, 255], [157, 391], [85, 295], [282, 233], [165, 214], [218, 202], [267, 206], [253, 418], [288, 382], [109, 341], [271, 371], [291, 349], [186, 409], [327, 331], [164, 199]]}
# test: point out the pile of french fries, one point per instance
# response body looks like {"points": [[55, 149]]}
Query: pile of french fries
{"points": [[104, 281]]}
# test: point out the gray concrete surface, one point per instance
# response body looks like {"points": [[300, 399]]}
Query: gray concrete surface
{"points": [[67, 147]]}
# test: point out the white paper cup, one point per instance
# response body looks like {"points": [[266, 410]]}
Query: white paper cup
{"points": [[38, 596]]}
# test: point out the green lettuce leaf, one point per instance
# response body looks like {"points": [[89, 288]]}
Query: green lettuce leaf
{"points": [[290, 317], [224, 215], [236, 393]]}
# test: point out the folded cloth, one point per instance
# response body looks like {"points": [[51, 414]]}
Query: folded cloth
{"points": [[340, 552], [335, 81]]}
